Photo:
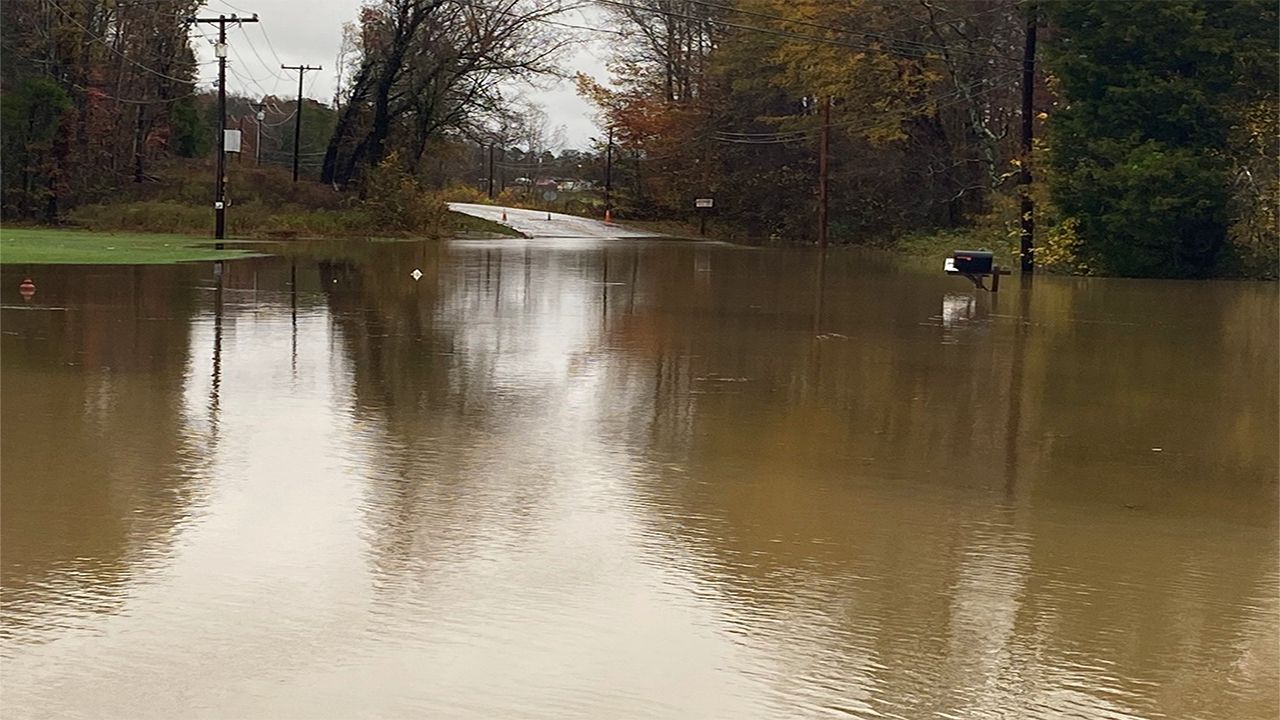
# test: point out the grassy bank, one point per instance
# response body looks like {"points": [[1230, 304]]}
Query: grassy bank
{"points": [[463, 223], [34, 245], [115, 238], [258, 220], [266, 204]]}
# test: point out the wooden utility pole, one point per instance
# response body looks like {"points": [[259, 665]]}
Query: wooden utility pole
{"points": [[1028, 124], [490, 171], [608, 179], [259, 114], [823, 149], [220, 183], [297, 115]]}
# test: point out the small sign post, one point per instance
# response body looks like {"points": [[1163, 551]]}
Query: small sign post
{"points": [[704, 206]]}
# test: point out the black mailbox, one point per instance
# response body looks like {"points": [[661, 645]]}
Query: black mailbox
{"points": [[972, 262]]}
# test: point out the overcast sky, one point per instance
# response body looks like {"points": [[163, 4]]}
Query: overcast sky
{"points": [[308, 32]]}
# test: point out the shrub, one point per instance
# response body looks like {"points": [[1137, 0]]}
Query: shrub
{"points": [[465, 194], [393, 199]]}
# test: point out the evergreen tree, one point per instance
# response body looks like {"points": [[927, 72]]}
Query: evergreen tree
{"points": [[1140, 144]]}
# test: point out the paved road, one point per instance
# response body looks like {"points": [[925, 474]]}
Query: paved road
{"points": [[535, 224]]}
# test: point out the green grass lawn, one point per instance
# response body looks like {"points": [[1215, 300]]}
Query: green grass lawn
{"points": [[26, 245], [462, 222]]}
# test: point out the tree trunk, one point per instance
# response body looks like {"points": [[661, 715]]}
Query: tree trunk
{"points": [[139, 144]]}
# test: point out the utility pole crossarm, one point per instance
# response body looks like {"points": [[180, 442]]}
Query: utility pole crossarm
{"points": [[297, 114]]}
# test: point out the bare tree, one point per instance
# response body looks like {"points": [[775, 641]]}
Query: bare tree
{"points": [[434, 66]]}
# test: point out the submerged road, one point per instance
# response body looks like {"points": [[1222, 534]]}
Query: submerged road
{"points": [[611, 477], [541, 224]]}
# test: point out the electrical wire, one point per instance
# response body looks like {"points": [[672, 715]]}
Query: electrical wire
{"points": [[547, 21], [270, 47], [100, 93], [771, 31], [899, 114], [877, 36], [282, 122], [247, 80], [108, 46], [233, 7], [265, 66], [809, 131], [315, 75]]}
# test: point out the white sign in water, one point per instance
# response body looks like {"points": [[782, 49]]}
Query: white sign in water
{"points": [[704, 202]]}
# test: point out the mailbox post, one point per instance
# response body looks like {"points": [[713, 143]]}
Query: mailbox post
{"points": [[975, 265], [704, 206]]}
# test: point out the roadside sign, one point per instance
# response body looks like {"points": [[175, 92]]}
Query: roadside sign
{"points": [[231, 140], [704, 202]]}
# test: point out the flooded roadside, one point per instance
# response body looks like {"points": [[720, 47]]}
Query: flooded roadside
{"points": [[634, 479]]}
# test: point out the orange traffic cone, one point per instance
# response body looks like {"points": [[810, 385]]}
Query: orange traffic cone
{"points": [[608, 216]]}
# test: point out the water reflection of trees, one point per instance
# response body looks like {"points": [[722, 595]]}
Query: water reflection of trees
{"points": [[432, 362], [93, 452], [958, 510], [926, 488]]}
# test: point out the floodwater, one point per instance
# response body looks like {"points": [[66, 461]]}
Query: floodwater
{"points": [[634, 479]]}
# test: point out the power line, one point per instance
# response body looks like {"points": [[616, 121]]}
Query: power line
{"points": [[877, 36], [547, 21], [108, 46], [282, 122], [924, 104], [233, 7], [266, 67], [805, 135], [769, 31], [311, 85], [249, 79], [270, 47], [100, 93]]}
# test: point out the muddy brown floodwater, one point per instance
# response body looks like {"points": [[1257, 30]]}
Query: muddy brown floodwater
{"points": [[633, 479]]}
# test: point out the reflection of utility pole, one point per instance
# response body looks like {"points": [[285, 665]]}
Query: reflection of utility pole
{"points": [[215, 378], [821, 289], [293, 317], [1024, 177], [1013, 417], [220, 182], [604, 283], [528, 270], [635, 270], [297, 120], [497, 295], [816, 342]]}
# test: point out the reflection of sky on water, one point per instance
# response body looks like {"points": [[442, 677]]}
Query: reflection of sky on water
{"points": [[593, 480]]}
